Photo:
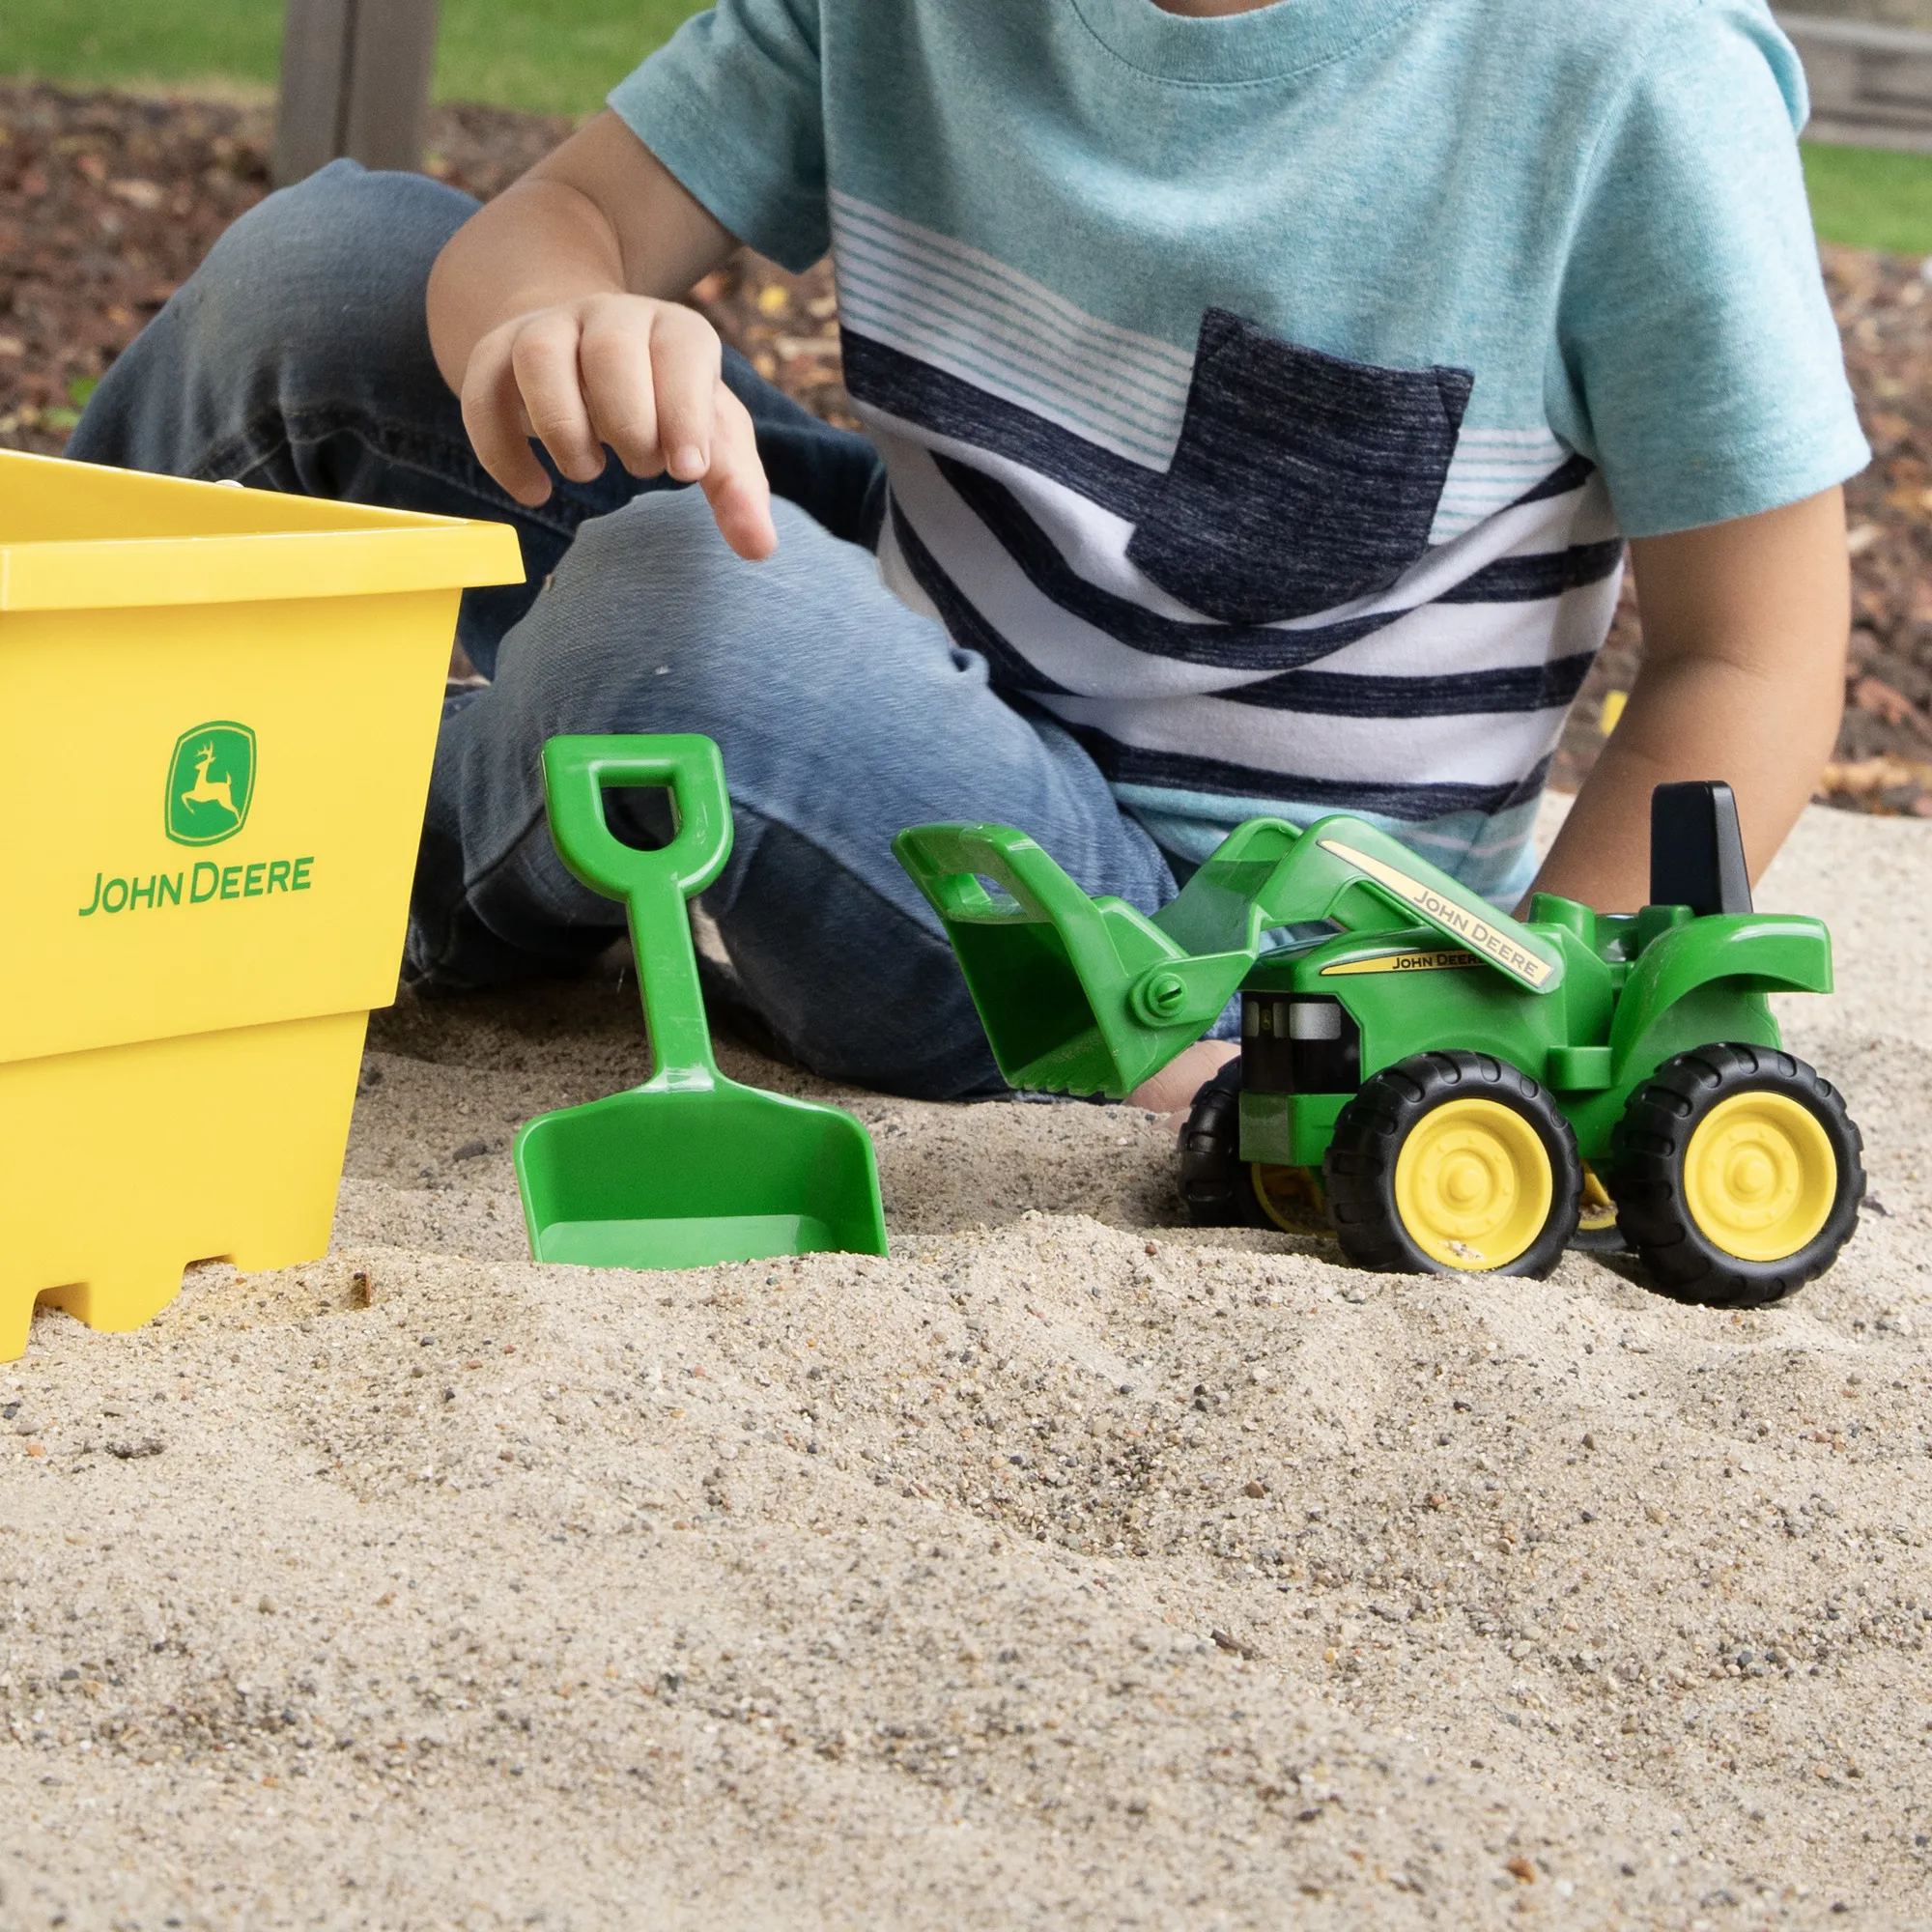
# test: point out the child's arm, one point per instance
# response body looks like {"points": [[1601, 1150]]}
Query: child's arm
{"points": [[1745, 626], [551, 313]]}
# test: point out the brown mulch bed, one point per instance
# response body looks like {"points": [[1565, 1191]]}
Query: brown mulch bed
{"points": [[108, 200]]}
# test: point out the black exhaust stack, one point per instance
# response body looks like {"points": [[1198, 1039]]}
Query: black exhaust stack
{"points": [[1697, 850]]}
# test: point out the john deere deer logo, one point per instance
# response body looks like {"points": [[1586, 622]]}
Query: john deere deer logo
{"points": [[210, 781]]}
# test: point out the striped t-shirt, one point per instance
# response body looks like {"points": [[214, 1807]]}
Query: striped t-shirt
{"points": [[1266, 398]]}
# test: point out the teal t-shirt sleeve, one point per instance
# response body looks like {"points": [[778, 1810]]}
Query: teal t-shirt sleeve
{"points": [[733, 107], [1696, 358]]}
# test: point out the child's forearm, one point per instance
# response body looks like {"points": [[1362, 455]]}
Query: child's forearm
{"points": [[601, 216], [538, 243], [1745, 626]]}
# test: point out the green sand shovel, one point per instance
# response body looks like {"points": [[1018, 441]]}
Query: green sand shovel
{"points": [[689, 1168]]}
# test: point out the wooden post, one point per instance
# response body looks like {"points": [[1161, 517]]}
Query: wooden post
{"points": [[356, 76], [1871, 85]]}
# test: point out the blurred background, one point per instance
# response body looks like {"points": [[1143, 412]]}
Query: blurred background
{"points": [[549, 56], [1889, 12]]}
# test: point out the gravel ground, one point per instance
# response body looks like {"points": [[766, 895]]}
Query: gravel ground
{"points": [[1063, 1568]]}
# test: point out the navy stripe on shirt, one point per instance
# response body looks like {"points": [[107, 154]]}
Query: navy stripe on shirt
{"points": [[1175, 771], [935, 400], [1537, 576], [942, 403], [1224, 646], [1332, 694]]}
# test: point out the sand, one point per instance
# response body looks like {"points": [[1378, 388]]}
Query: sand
{"points": [[1064, 1569]]}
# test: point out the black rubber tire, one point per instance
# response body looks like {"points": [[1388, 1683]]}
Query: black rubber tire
{"points": [[1217, 1187], [1647, 1153], [1360, 1169]]}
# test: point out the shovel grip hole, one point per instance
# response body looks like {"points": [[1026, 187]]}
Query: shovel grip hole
{"points": [[643, 817]]}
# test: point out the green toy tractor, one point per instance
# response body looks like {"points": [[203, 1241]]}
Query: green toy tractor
{"points": [[1442, 1088]]}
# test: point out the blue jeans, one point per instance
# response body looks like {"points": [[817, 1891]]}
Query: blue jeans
{"points": [[296, 359]]}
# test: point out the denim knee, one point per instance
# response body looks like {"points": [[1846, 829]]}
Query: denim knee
{"points": [[650, 611], [308, 311], [326, 274]]}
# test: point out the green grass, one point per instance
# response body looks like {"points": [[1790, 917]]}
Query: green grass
{"points": [[90, 43], [555, 56], [1872, 197], [562, 56]]}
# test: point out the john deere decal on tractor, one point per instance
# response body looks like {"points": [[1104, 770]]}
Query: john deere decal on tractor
{"points": [[1442, 1087]]}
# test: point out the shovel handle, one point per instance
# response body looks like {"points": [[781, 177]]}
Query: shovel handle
{"points": [[653, 885], [576, 773]]}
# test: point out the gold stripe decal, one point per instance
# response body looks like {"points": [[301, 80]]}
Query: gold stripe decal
{"points": [[1402, 962], [1452, 917]]}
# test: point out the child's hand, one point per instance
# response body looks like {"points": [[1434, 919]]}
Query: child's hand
{"points": [[546, 315], [638, 375]]}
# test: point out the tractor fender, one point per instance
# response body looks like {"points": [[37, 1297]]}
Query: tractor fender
{"points": [[1756, 952]]}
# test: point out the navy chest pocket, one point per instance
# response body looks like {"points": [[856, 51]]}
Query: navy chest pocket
{"points": [[1301, 481]]}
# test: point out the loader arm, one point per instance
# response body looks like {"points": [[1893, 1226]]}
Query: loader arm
{"points": [[1268, 874], [1090, 996]]}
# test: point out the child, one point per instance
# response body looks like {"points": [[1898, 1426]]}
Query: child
{"points": [[1264, 394]]}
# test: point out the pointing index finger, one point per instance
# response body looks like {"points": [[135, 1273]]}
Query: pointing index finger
{"points": [[735, 484]]}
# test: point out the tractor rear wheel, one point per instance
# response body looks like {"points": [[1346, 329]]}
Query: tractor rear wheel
{"points": [[1738, 1175], [1452, 1163]]}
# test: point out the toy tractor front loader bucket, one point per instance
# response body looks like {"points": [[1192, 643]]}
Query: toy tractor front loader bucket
{"points": [[1077, 995]]}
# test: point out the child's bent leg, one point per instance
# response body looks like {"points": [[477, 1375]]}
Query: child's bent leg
{"points": [[844, 718], [296, 359]]}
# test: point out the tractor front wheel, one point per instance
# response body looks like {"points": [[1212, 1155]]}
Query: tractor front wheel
{"points": [[1219, 1189], [1738, 1175], [1452, 1163], [1216, 1185]]}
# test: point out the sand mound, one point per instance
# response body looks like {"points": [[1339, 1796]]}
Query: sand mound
{"points": [[1064, 1568]]}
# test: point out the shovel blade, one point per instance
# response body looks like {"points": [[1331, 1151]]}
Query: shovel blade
{"points": [[681, 1179]]}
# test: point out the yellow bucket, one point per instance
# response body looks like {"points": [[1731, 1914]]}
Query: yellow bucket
{"points": [[217, 710]]}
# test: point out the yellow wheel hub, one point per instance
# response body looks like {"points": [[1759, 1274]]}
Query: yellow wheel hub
{"points": [[1760, 1176], [1473, 1184]]}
